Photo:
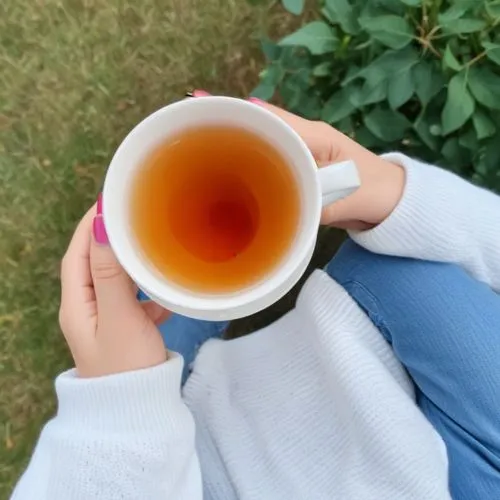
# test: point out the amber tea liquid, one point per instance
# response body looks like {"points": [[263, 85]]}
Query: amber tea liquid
{"points": [[215, 209]]}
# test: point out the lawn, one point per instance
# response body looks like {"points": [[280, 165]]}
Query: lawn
{"points": [[75, 76]]}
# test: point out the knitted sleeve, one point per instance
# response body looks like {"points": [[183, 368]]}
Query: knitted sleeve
{"points": [[127, 436], [441, 218]]}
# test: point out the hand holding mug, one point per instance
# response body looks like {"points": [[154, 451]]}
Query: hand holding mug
{"points": [[107, 329], [300, 146], [194, 175], [382, 182]]}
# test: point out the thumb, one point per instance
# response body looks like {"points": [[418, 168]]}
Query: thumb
{"points": [[113, 289]]}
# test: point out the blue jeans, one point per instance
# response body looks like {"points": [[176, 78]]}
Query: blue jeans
{"points": [[444, 327]]}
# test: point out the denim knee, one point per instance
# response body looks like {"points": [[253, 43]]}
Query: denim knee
{"points": [[444, 328], [384, 286]]}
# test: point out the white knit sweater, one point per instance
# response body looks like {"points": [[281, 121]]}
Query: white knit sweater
{"points": [[315, 406]]}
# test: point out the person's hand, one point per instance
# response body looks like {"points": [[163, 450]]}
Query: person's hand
{"points": [[382, 182], [108, 331]]}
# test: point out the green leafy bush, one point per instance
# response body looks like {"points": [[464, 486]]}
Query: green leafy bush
{"points": [[419, 76]]}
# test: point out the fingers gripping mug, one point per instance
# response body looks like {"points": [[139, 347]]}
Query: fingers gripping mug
{"points": [[212, 206]]}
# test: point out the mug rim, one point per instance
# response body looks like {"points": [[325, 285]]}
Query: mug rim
{"points": [[167, 292]]}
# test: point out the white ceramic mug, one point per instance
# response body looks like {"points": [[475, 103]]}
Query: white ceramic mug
{"points": [[318, 187]]}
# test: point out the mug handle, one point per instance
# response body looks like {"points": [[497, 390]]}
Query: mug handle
{"points": [[338, 180]]}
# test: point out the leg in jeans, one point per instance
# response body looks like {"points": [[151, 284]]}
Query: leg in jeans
{"points": [[444, 326], [186, 335]]}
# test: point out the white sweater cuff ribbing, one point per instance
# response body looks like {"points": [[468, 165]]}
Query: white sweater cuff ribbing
{"points": [[124, 401], [442, 218], [403, 230]]}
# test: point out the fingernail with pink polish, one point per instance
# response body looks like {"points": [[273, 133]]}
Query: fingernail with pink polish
{"points": [[256, 100], [100, 234], [197, 93], [99, 204]]}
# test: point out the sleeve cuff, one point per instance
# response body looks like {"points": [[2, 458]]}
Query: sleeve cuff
{"points": [[132, 400], [418, 219]]}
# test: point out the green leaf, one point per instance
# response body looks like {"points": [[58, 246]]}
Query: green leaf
{"points": [[412, 3], [493, 9], [310, 106], [389, 71], [454, 153], [469, 4], [484, 125], [301, 79], [391, 62], [294, 6], [317, 37], [492, 153], [436, 130], [297, 83], [273, 74], [341, 12], [451, 149], [372, 91], [428, 139], [492, 51], [337, 107], [270, 77], [354, 95], [468, 140], [393, 31], [367, 139], [428, 79], [450, 61], [353, 72], [264, 91], [422, 127], [400, 89], [464, 26], [345, 125], [459, 105], [393, 6], [386, 124], [485, 87], [270, 49], [452, 14], [291, 93], [480, 166], [294, 60], [323, 69]]}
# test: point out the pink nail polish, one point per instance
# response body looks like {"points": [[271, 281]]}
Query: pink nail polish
{"points": [[200, 93], [99, 204], [100, 234], [256, 100]]}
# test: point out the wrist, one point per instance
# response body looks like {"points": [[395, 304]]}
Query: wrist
{"points": [[119, 365], [389, 188]]}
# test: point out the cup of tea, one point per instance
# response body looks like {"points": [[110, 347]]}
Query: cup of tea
{"points": [[212, 206]]}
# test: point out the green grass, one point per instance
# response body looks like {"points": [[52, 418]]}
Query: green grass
{"points": [[75, 76]]}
